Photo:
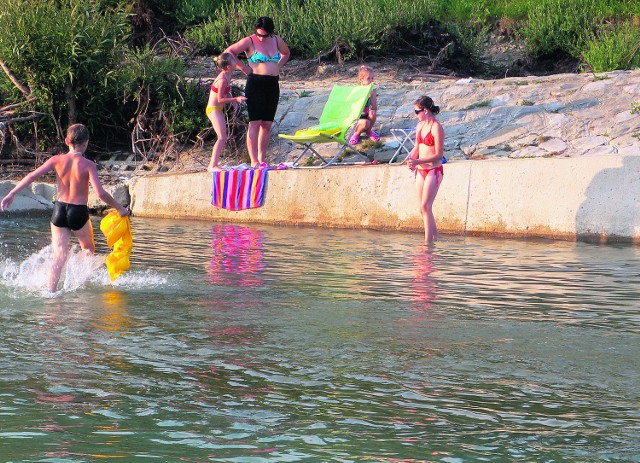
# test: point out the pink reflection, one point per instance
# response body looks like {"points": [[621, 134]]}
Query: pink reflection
{"points": [[237, 256], [424, 289]]}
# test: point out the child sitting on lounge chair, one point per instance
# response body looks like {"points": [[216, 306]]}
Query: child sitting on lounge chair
{"points": [[368, 116]]}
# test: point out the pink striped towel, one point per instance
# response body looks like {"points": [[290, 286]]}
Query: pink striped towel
{"points": [[239, 189]]}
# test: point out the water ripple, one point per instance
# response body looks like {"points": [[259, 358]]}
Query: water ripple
{"points": [[243, 344]]}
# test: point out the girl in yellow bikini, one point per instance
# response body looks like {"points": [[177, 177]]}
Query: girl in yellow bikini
{"points": [[426, 162], [219, 95]]}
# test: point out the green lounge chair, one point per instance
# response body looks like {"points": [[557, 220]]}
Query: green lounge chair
{"points": [[341, 111]]}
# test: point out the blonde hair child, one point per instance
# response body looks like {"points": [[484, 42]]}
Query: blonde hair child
{"points": [[368, 116], [219, 95]]}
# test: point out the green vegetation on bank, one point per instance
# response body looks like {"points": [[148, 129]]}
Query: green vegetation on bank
{"points": [[583, 29], [116, 66], [340, 28], [72, 61]]}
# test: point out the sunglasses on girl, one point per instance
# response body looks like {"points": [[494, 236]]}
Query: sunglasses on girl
{"points": [[264, 36], [418, 111]]}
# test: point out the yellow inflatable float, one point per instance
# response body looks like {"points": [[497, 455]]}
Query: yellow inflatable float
{"points": [[117, 230]]}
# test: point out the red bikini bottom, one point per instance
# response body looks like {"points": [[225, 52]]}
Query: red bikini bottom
{"points": [[425, 172]]}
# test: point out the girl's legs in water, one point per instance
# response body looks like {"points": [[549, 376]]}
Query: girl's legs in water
{"points": [[219, 125], [427, 190]]}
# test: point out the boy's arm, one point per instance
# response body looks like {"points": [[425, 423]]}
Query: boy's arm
{"points": [[104, 194], [26, 181]]}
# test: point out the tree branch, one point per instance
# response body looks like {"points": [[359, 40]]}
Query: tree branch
{"points": [[23, 88], [16, 105], [19, 119]]}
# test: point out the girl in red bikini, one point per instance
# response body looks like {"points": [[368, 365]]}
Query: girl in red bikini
{"points": [[426, 162], [219, 95]]}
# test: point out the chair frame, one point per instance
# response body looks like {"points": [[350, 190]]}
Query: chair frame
{"points": [[340, 135], [309, 147]]}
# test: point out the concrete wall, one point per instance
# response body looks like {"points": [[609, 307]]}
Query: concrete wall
{"points": [[592, 198], [36, 197]]}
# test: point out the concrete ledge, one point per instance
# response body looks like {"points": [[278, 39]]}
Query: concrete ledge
{"points": [[587, 198], [40, 197], [36, 197]]}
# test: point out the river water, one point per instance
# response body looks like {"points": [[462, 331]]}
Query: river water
{"points": [[248, 344]]}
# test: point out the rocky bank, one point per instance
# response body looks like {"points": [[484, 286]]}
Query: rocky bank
{"points": [[563, 115]]}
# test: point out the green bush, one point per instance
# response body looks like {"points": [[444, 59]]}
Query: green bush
{"points": [[615, 48], [311, 28], [178, 14], [471, 40], [155, 99], [560, 26], [191, 12], [479, 12], [568, 26], [63, 51], [75, 59], [464, 11]]}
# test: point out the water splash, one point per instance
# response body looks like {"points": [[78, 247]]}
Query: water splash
{"points": [[81, 267], [31, 275], [131, 279]]}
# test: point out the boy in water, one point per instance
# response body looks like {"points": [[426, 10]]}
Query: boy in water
{"points": [[70, 212]]}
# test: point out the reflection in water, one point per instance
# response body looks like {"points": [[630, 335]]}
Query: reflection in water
{"points": [[274, 344], [237, 256], [423, 285], [114, 316]]}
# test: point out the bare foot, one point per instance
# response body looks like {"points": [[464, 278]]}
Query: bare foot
{"points": [[214, 169]]}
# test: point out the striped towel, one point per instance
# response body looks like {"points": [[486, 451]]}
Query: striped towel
{"points": [[239, 189]]}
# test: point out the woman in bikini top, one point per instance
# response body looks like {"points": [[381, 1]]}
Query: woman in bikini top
{"points": [[258, 57], [426, 156], [428, 140], [266, 54], [426, 159]]}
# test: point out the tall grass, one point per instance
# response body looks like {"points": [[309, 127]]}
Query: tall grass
{"points": [[63, 52], [190, 12], [582, 28], [615, 48], [313, 27], [547, 27]]}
